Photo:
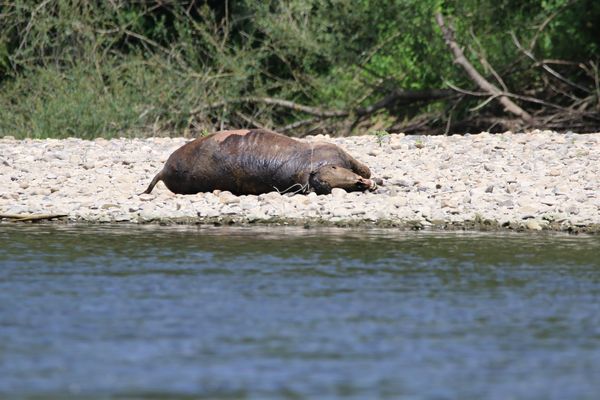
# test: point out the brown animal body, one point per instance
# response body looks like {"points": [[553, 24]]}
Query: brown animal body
{"points": [[261, 161]]}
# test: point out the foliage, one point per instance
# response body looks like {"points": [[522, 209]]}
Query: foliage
{"points": [[122, 68], [380, 135]]}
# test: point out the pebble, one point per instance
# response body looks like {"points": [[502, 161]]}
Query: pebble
{"points": [[228, 198], [524, 179], [338, 193], [533, 225]]}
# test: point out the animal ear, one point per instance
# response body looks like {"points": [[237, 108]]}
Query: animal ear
{"points": [[317, 185]]}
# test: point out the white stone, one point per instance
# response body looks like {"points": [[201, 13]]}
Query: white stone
{"points": [[338, 193], [228, 198], [533, 225]]}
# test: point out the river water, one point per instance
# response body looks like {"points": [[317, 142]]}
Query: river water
{"points": [[187, 312]]}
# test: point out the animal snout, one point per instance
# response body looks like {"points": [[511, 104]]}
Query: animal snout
{"points": [[367, 184]]}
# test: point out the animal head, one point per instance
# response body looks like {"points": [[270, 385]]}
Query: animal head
{"points": [[331, 176]]}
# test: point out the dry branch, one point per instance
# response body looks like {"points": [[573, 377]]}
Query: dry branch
{"points": [[250, 121], [460, 59], [31, 217], [319, 112], [546, 68], [405, 95], [298, 124]]}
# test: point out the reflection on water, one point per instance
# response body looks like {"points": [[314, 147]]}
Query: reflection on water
{"points": [[285, 312]]}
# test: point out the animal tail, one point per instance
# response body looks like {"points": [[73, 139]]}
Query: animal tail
{"points": [[156, 179]]}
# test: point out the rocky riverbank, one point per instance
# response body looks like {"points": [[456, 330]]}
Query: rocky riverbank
{"points": [[537, 181]]}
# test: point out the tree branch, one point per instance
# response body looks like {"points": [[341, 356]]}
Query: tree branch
{"points": [[460, 59], [394, 96], [544, 24], [297, 124], [319, 112], [251, 121], [407, 95], [465, 91], [31, 217], [546, 68]]}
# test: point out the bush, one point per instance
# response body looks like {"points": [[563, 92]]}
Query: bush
{"points": [[119, 68]]}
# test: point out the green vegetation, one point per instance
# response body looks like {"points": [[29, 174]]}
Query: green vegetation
{"points": [[380, 136], [182, 67]]}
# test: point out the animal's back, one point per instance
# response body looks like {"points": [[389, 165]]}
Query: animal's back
{"points": [[259, 161]]}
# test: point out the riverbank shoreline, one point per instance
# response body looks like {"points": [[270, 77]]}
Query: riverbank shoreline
{"points": [[540, 180]]}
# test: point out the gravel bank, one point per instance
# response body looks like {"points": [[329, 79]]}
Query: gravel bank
{"points": [[537, 180]]}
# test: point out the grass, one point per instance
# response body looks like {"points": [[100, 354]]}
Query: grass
{"points": [[380, 135], [120, 101]]}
